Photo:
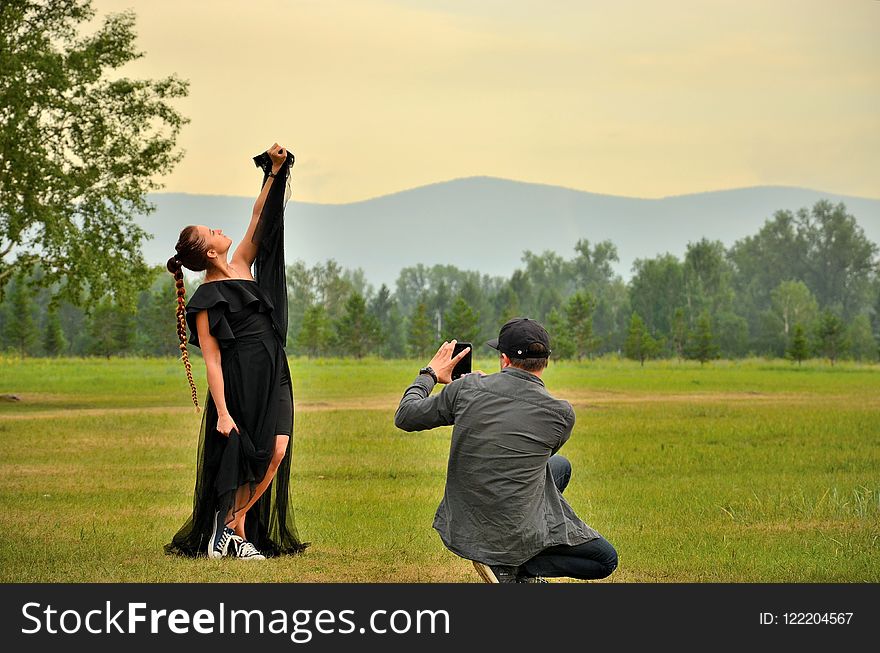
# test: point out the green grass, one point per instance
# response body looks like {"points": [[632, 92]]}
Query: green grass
{"points": [[746, 471]]}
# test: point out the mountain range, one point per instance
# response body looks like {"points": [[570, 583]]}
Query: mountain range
{"points": [[485, 223]]}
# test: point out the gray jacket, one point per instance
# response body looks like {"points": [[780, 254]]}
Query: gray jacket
{"points": [[500, 505]]}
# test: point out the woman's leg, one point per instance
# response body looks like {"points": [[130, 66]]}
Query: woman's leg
{"points": [[281, 441]]}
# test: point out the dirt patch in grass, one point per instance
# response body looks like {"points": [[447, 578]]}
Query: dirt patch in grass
{"points": [[580, 399], [584, 399]]}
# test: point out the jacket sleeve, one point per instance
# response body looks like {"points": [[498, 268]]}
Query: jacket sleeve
{"points": [[566, 430], [419, 410]]}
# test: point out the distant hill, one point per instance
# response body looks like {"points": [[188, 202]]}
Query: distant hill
{"points": [[485, 223]]}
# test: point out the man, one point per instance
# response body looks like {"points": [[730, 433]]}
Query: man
{"points": [[503, 507]]}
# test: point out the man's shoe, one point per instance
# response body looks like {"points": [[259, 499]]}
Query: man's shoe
{"points": [[244, 550], [495, 573], [221, 536], [531, 579]]}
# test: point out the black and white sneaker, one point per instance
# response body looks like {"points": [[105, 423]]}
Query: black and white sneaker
{"points": [[221, 536], [495, 573], [244, 550]]}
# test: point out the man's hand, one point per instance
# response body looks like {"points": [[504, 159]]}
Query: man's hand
{"points": [[443, 362]]}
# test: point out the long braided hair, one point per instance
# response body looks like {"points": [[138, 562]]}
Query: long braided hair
{"points": [[190, 253]]}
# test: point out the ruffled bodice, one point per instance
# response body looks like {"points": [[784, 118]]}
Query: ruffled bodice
{"points": [[236, 308]]}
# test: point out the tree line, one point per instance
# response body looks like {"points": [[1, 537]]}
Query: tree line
{"points": [[807, 284]]}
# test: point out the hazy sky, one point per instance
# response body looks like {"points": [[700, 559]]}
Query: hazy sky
{"points": [[630, 97]]}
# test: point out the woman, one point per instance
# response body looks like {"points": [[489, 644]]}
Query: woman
{"points": [[242, 502]]}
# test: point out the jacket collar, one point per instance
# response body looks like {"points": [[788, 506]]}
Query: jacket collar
{"points": [[522, 374]]}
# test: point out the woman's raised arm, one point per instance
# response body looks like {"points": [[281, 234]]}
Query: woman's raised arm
{"points": [[246, 252]]}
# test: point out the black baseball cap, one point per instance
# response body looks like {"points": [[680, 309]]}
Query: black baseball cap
{"points": [[517, 334]]}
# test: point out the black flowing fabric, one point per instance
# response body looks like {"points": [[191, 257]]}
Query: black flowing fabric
{"points": [[249, 320]]}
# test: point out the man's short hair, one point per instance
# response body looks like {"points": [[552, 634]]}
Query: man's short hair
{"points": [[531, 364]]}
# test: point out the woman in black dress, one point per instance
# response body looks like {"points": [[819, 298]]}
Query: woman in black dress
{"points": [[242, 505]]}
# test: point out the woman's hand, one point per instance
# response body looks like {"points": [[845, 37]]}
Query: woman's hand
{"points": [[225, 424], [278, 155]]}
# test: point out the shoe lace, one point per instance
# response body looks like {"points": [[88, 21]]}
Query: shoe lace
{"points": [[245, 549], [224, 537]]}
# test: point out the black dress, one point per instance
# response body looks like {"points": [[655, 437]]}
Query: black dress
{"points": [[249, 320]]}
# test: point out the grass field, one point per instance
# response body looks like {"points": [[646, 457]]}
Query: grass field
{"points": [[748, 471]]}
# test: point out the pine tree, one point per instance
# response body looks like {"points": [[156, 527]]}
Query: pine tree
{"points": [[100, 329], [156, 322], [561, 343], [679, 332], [461, 323], [54, 342], [421, 335], [111, 329], [315, 333], [798, 349], [395, 341], [579, 315], [19, 326], [385, 308], [702, 341], [124, 329], [639, 344], [507, 304], [357, 331], [830, 336]]}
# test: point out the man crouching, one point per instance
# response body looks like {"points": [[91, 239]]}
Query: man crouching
{"points": [[503, 507]]}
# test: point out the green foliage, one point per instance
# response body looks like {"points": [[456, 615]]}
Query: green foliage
{"points": [[793, 302], [561, 343], [733, 335], [862, 344], [327, 284], [81, 146], [701, 342], [839, 258], [111, 329], [357, 332], [461, 323], [506, 304], [639, 344], [799, 348], [753, 294], [656, 291], [679, 333], [707, 278], [823, 249], [579, 323], [875, 309], [156, 319], [420, 338], [19, 326], [316, 334], [830, 336], [391, 339], [54, 342]]}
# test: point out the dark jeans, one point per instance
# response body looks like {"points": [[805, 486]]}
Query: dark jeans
{"points": [[587, 561]]}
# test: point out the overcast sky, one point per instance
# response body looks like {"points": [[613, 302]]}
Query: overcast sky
{"points": [[631, 97]]}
